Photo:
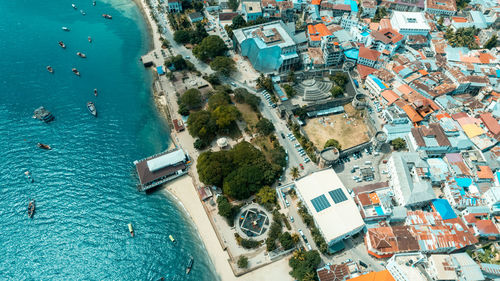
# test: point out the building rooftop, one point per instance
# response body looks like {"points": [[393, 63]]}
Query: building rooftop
{"points": [[369, 54], [409, 20], [383, 275], [331, 206], [334, 272], [445, 5]]}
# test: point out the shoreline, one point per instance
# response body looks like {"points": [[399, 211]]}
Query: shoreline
{"points": [[183, 189]]}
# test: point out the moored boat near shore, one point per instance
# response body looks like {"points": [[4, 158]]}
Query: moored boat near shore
{"points": [[28, 176], [190, 265], [31, 208], [83, 12], [61, 43], [90, 39], [43, 114], [50, 69], [75, 71], [171, 238], [65, 28], [91, 108], [82, 55], [95, 92], [74, 6], [106, 16], [44, 146], [131, 229]]}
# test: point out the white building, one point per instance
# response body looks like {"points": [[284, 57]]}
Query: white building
{"points": [[405, 267], [410, 23], [454, 267], [492, 198], [334, 211], [406, 170], [332, 53]]}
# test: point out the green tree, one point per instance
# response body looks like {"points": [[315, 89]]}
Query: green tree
{"points": [[440, 21], [336, 91], [243, 182], [242, 262], [379, 14], [294, 172], [198, 34], [182, 36], [492, 43], [225, 116], [201, 125], [286, 240], [291, 77], [265, 127], [218, 99], [398, 143], [213, 167], [213, 79], [178, 62], [223, 65], [289, 90], [303, 264], [241, 95], [210, 47], [238, 22], [340, 78], [333, 142], [264, 82], [266, 195], [270, 244], [225, 208], [191, 99]]}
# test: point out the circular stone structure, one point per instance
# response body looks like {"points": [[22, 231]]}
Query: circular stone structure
{"points": [[379, 139], [253, 222], [314, 90], [359, 101], [328, 156], [222, 142]]}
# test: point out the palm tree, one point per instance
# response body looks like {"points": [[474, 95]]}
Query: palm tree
{"points": [[294, 172]]}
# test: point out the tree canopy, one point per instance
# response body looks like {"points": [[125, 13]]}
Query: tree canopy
{"points": [[242, 262], [241, 95], [289, 90], [241, 171], [223, 65], [238, 21], [265, 127], [333, 142], [336, 91], [398, 143], [304, 263], [266, 195], [210, 47], [191, 99], [463, 37], [340, 78], [492, 43], [286, 240], [201, 125], [182, 36], [225, 116]]}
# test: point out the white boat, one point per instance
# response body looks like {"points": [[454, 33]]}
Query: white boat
{"points": [[65, 28], [74, 6], [83, 12], [131, 229]]}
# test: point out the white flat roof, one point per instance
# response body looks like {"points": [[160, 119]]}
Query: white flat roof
{"points": [[409, 20], [168, 159], [339, 218]]}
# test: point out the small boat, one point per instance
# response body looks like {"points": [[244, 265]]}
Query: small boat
{"points": [[44, 146], [95, 92], [93, 3], [91, 108], [106, 16], [43, 114], [74, 6], [65, 28], [61, 43], [90, 39], [82, 55], [28, 176], [83, 12], [131, 229], [50, 69], [31, 208], [171, 238], [75, 71], [190, 265]]}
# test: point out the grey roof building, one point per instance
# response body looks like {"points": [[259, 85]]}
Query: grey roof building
{"points": [[407, 180]]}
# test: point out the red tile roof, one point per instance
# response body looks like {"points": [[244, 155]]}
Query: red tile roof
{"points": [[383, 275], [491, 123], [412, 113], [369, 54], [484, 172], [390, 96], [486, 227], [364, 70]]}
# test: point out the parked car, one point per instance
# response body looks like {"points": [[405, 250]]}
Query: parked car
{"points": [[292, 219], [363, 264], [300, 232], [301, 166], [309, 247], [282, 135]]}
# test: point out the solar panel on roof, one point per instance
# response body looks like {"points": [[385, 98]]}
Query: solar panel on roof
{"points": [[320, 203], [337, 195]]}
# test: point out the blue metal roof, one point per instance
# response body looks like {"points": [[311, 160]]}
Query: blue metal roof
{"points": [[444, 209], [377, 81], [352, 53], [320, 203], [463, 182]]}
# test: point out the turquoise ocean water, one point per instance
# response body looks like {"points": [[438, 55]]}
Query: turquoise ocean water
{"points": [[85, 187]]}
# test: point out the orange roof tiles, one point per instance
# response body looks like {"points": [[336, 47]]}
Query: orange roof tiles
{"points": [[423, 72], [369, 54], [458, 19], [316, 2], [486, 57], [443, 115], [486, 227], [374, 26], [412, 113], [364, 70], [383, 275], [310, 29], [390, 96], [490, 122], [405, 89], [316, 32], [322, 30], [374, 198], [484, 172]]}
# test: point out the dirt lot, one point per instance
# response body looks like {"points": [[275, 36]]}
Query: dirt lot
{"points": [[349, 131]]}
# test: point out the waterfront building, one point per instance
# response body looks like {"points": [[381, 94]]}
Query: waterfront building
{"points": [[334, 211], [270, 47], [160, 168], [410, 23]]}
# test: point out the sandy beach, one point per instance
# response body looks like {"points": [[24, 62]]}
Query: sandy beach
{"points": [[183, 189]]}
